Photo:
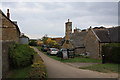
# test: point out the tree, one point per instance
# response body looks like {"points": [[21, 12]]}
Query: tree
{"points": [[44, 39], [52, 43]]}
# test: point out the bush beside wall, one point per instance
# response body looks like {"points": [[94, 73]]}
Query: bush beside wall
{"points": [[111, 52], [20, 55]]}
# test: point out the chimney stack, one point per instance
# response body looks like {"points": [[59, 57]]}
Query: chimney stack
{"points": [[68, 20], [8, 14]]}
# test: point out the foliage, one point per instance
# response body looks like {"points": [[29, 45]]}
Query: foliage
{"points": [[103, 68], [38, 68], [51, 43], [48, 41], [35, 71], [44, 39], [33, 43], [111, 52], [20, 55]]}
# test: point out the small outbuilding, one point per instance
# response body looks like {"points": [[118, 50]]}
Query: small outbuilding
{"points": [[24, 39]]}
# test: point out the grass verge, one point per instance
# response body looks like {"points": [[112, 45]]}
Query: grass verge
{"points": [[77, 59], [106, 68]]}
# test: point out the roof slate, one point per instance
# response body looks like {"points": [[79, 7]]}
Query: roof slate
{"points": [[108, 35], [77, 39]]}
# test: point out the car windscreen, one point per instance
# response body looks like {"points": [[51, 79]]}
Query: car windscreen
{"points": [[54, 49]]}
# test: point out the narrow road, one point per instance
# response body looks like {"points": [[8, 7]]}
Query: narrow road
{"points": [[58, 69]]}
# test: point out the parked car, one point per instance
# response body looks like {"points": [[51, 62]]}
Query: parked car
{"points": [[52, 51], [44, 48]]}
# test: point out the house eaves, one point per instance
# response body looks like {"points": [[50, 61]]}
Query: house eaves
{"points": [[95, 35]]}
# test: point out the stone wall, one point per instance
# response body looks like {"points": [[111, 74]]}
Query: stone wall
{"points": [[5, 59], [0, 60], [67, 45], [79, 51], [92, 45]]}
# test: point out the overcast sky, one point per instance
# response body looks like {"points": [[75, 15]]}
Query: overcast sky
{"points": [[36, 19]]}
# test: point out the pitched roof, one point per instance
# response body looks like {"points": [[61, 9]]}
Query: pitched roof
{"points": [[108, 35], [114, 33], [23, 36], [77, 39], [102, 35], [10, 20]]}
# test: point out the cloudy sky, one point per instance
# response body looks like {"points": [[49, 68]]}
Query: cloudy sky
{"points": [[36, 19]]}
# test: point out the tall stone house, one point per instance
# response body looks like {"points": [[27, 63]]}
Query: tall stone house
{"points": [[9, 33], [90, 41], [9, 29]]}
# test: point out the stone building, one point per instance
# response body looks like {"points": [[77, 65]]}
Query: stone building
{"points": [[89, 41], [9, 29], [77, 40], [97, 37], [67, 43], [9, 33]]}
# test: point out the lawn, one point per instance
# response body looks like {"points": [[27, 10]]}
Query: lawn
{"points": [[77, 59], [106, 68]]}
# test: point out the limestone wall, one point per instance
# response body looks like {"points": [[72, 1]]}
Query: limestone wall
{"points": [[92, 45], [5, 59]]}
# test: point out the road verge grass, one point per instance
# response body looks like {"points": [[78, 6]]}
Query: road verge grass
{"points": [[77, 59], [106, 68]]}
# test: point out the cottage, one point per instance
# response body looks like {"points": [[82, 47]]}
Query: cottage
{"points": [[9, 29], [77, 40], [97, 37], [89, 41], [9, 33]]}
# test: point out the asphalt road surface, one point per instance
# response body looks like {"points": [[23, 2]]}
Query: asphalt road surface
{"points": [[57, 69]]}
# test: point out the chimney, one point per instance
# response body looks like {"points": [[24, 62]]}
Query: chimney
{"points": [[68, 20], [8, 14]]}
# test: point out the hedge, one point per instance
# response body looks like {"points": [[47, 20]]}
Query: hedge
{"points": [[111, 52], [20, 55]]}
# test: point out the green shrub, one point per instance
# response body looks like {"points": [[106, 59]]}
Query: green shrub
{"points": [[38, 68], [33, 43], [111, 52], [20, 55]]}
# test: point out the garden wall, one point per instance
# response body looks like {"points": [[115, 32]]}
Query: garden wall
{"points": [[5, 59]]}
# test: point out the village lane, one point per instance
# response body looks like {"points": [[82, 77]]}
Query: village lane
{"points": [[56, 69]]}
